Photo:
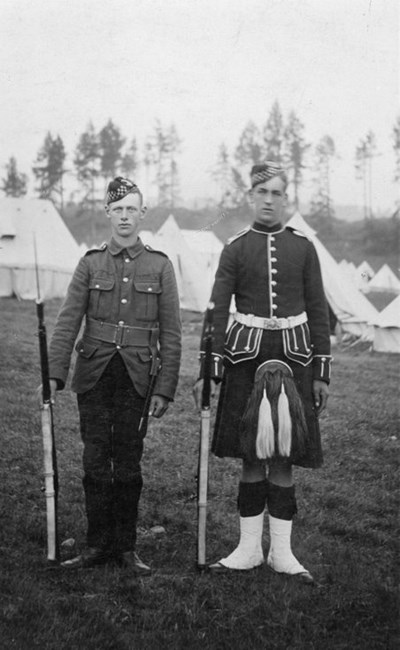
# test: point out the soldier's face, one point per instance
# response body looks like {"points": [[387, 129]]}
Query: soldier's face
{"points": [[269, 201], [125, 216]]}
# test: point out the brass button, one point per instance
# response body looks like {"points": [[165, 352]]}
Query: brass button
{"points": [[97, 286], [124, 301], [125, 279], [121, 322], [118, 347], [127, 260], [150, 289]]}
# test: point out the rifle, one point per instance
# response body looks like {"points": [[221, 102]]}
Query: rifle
{"points": [[49, 448], [202, 475]]}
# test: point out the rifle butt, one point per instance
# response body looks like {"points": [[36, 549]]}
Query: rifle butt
{"points": [[51, 482], [203, 488]]}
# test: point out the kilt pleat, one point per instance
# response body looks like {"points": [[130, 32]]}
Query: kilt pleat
{"points": [[235, 391]]}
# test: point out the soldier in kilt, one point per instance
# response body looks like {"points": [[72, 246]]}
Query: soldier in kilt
{"points": [[273, 362]]}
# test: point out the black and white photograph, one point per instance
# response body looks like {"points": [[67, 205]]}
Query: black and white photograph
{"points": [[199, 324]]}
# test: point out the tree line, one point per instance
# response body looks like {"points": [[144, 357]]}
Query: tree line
{"points": [[99, 156]]}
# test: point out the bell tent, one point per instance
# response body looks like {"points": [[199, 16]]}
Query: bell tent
{"points": [[385, 280], [387, 329], [26, 224], [351, 308]]}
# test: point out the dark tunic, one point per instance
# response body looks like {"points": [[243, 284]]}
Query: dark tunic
{"points": [[272, 273]]}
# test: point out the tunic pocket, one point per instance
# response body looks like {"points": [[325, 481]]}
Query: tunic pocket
{"points": [[146, 299], [241, 342], [297, 344], [100, 285], [85, 349]]}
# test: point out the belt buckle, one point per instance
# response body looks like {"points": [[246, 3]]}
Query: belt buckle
{"points": [[119, 335], [273, 323]]}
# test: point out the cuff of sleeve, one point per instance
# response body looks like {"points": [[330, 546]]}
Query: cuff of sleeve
{"points": [[217, 367], [322, 367]]}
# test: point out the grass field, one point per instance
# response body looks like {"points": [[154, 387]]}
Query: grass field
{"points": [[346, 531]]}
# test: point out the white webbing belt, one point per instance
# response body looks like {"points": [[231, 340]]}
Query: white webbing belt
{"points": [[270, 323]]}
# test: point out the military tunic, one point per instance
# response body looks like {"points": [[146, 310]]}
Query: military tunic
{"points": [[129, 302], [132, 287], [273, 273]]}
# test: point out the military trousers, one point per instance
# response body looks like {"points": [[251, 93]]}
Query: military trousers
{"points": [[110, 414]]}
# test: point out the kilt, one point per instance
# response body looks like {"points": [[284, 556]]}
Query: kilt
{"points": [[235, 390]]}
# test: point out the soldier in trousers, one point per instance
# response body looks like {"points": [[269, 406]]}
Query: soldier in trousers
{"points": [[126, 294], [273, 363]]}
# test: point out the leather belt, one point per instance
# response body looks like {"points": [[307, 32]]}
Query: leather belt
{"points": [[122, 335], [270, 323]]}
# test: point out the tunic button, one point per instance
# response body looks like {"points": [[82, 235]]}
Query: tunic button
{"points": [[272, 238], [121, 322], [274, 283], [124, 301], [97, 286], [273, 259], [273, 294], [118, 347], [127, 260], [274, 306], [273, 248], [274, 271], [150, 289], [125, 279]]}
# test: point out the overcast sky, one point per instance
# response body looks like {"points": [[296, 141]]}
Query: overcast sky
{"points": [[209, 66]]}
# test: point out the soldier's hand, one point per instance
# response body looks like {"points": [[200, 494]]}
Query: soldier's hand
{"points": [[158, 406], [198, 391], [53, 391], [321, 394]]}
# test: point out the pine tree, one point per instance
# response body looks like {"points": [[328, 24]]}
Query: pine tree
{"points": [[87, 162], [222, 175], [161, 151], [273, 134], [173, 148], [129, 161], [295, 148], [321, 203], [15, 183], [365, 152], [249, 150], [49, 169], [149, 160], [110, 146]]}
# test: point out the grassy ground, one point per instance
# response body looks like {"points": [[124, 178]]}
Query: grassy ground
{"points": [[345, 532]]}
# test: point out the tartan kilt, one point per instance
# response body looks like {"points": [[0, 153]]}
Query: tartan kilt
{"points": [[236, 388]]}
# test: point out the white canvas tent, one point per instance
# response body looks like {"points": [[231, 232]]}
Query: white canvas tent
{"points": [[148, 237], [206, 246], [352, 309], [23, 221], [387, 329], [191, 272], [385, 280]]}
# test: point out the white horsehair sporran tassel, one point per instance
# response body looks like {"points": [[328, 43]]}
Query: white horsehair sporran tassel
{"points": [[265, 441], [284, 424]]}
